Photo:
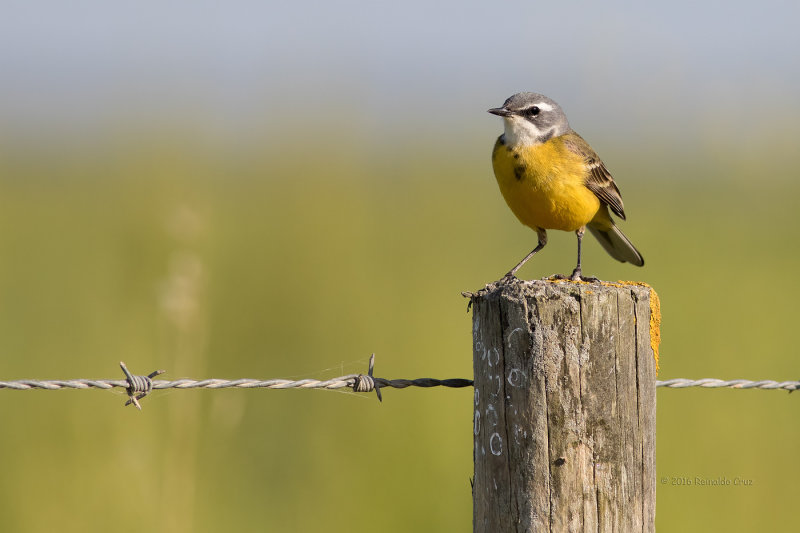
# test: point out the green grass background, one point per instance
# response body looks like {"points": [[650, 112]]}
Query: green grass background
{"points": [[293, 260]]}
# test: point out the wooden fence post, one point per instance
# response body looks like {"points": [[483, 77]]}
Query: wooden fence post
{"points": [[565, 405]]}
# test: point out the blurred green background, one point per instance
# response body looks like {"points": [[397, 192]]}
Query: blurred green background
{"points": [[269, 190]]}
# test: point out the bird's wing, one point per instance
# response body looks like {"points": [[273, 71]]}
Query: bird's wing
{"points": [[598, 178]]}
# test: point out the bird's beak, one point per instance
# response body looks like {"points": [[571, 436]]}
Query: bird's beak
{"points": [[500, 112]]}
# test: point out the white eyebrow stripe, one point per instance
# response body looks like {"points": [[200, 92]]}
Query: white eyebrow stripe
{"points": [[544, 106]]}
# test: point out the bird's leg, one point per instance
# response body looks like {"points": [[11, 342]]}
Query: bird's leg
{"points": [[577, 274], [542, 234]]}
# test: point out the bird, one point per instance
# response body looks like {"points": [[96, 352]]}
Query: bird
{"points": [[552, 179]]}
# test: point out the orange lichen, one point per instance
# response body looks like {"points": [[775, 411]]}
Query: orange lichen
{"points": [[655, 309], [655, 315], [655, 324]]}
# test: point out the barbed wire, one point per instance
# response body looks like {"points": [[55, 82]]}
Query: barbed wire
{"points": [[138, 387], [712, 383]]}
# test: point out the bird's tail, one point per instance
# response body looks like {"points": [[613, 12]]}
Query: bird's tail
{"points": [[616, 243]]}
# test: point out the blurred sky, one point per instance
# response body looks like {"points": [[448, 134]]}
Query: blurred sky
{"points": [[69, 66]]}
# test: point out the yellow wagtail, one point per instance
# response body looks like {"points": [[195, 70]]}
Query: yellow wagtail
{"points": [[552, 179]]}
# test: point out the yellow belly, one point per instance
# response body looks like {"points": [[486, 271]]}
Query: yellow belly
{"points": [[544, 185]]}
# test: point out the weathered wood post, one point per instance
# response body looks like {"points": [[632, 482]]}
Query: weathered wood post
{"points": [[565, 405]]}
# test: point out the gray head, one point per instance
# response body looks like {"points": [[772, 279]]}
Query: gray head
{"points": [[531, 118]]}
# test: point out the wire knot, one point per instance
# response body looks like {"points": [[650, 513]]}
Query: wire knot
{"points": [[138, 386], [362, 383]]}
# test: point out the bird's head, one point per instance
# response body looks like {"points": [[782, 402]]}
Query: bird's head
{"points": [[531, 118]]}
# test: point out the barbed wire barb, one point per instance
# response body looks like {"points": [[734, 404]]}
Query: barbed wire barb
{"points": [[366, 383], [138, 386]]}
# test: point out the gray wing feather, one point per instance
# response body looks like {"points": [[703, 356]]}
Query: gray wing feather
{"points": [[617, 244]]}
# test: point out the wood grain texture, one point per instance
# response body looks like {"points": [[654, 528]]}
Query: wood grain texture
{"points": [[564, 420]]}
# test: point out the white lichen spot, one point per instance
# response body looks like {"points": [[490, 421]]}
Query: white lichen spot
{"points": [[496, 444], [508, 337], [491, 416], [516, 432], [494, 357], [516, 377]]}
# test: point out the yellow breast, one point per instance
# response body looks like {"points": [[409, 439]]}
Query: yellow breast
{"points": [[544, 185]]}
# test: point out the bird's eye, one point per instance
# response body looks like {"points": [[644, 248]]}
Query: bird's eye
{"points": [[533, 111]]}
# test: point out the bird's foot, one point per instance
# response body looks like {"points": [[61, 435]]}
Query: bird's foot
{"points": [[508, 278], [576, 275]]}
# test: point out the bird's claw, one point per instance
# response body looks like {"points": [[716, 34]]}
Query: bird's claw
{"points": [[508, 278], [575, 276]]}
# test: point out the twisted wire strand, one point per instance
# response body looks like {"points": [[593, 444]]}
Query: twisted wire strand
{"points": [[335, 383], [349, 381], [138, 387], [712, 383], [57, 384], [357, 382]]}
